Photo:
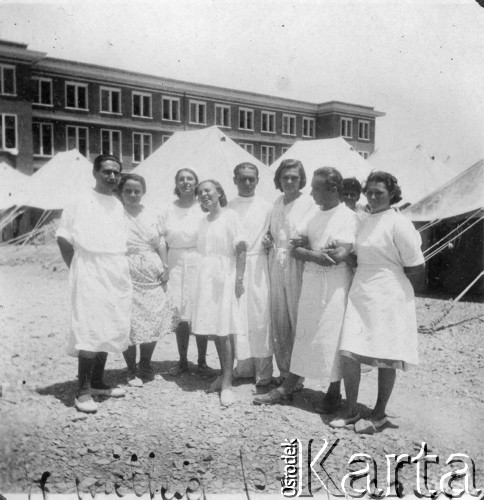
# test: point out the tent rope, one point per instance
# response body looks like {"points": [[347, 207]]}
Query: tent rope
{"points": [[429, 225], [36, 228], [439, 249], [453, 230], [8, 218], [447, 308]]}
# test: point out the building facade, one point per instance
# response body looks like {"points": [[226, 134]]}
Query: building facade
{"points": [[50, 105]]}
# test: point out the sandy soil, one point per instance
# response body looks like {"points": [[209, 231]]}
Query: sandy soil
{"points": [[176, 431]]}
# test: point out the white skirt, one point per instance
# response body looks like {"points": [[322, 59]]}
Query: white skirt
{"points": [[380, 320], [183, 264], [101, 294], [216, 310], [322, 305]]}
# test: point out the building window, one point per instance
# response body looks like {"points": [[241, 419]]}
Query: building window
{"points": [[198, 113], [111, 142], [246, 119], [222, 115], [170, 109], [7, 80], [288, 125], [8, 131], [364, 154], [284, 149], [141, 105], [141, 147], [308, 127], [364, 130], [267, 155], [268, 122], [248, 147], [110, 100], [42, 135], [77, 139], [42, 91], [346, 127], [164, 138], [76, 95]]}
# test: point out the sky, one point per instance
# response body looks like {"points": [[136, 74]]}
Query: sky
{"points": [[420, 62]]}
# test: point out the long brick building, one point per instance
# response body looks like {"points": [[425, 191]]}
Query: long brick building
{"points": [[49, 105]]}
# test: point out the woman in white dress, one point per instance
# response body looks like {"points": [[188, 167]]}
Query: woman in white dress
{"points": [[152, 312], [216, 311], [285, 271], [326, 240], [380, 326], [181, 221]]}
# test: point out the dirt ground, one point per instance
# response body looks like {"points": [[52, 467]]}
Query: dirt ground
{"points": [[171, 430]]}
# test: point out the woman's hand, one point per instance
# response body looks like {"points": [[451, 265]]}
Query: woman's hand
{"points": [[239, 288], [267, 241]]}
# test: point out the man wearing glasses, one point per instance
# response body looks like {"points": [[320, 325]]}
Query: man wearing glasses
{"points": [[92, 241]]}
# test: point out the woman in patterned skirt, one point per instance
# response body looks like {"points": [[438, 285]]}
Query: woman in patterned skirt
{"points": [[153, 313]]}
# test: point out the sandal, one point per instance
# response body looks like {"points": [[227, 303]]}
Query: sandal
{"points": [[273, 397], [340, 423], [370, 426]]}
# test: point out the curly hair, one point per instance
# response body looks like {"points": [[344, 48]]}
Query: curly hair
{"points": [[195, 176], [284, 165], [390, 182], [222, 198]]}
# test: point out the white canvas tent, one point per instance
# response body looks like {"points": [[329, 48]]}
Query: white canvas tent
{"points": [[13, 187], [461, 195], [451, 221], [59, 181], [418, 173], [318, 153], [210, 153]]}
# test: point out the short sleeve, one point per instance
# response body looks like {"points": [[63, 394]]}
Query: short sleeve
{"points": [[66, 226], [347, 231], [408, 242]]}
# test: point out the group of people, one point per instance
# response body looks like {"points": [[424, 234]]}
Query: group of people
{"points": [[316, 282]]}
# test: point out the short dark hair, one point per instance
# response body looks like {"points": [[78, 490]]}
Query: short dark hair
{"points": [[245, 164], [390, 182], [284, 165], [351, 184], [177, 191], [332, 177], [132, 177], [102, 158], [223, 198]]}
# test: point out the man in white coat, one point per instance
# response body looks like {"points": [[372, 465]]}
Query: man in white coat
{"points": [[92, 240], [254, 352]]}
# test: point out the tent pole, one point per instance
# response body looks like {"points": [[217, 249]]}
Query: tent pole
{"points": [[450, 305]]}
